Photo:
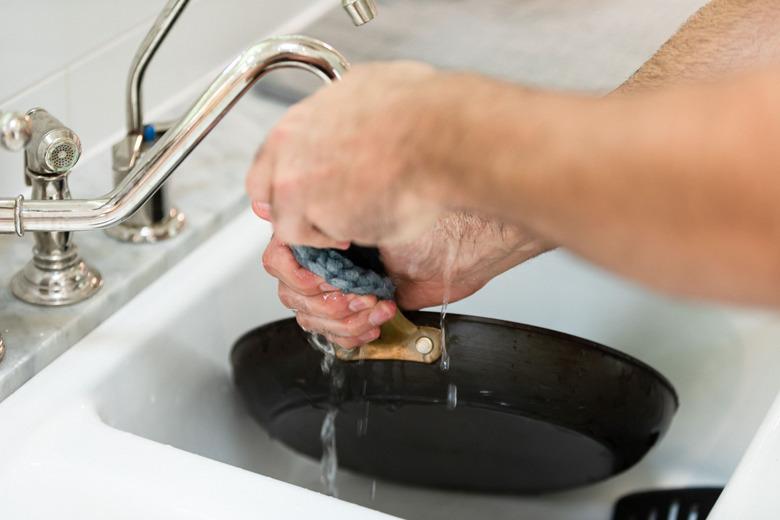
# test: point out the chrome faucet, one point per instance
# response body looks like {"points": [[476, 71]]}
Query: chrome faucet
{"points": [[157, 219], [154, 167], [52, 215]]}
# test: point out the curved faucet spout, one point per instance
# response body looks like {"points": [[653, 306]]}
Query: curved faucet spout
{"points": [[157, 164]]}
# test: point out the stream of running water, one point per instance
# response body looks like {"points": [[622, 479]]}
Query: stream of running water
{"points": [[329, 463], [448, 271], [329, 460]]}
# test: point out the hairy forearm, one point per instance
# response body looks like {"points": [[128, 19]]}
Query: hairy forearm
{"points": [[723, 37], [675, 253], [675, 188]]}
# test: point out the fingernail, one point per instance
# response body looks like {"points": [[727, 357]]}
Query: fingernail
{"points": [[262, 209], [358, 304], [370, 336], [326, 287], [378, 317]]}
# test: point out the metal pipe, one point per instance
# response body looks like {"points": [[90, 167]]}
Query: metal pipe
{"points": [[360, 11], [143, 56], [157, 164]]}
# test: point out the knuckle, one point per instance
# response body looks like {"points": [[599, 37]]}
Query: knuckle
{"points": [[286, 299], [267, 261], [301, 302], [290, 232], [286, 188], [345, 342], [354, 327], [333, 305], [336, 312], [303, 321], [276, 136], [303, 282]]}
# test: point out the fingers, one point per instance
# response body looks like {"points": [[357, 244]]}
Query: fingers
{"points": [[355, 326], [280, 263], [348, 320], [355, 330], [297, 230], [333, 305]]}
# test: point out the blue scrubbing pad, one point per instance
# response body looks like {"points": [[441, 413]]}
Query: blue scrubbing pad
{"points": [[342, 273]]}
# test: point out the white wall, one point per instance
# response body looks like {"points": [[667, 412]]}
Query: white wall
{"points": [[72, 57]]}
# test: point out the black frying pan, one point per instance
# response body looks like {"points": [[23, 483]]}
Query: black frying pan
{"points": [[535, 410]]}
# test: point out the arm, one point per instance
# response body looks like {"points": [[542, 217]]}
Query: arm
{"points": [[675, 188]]}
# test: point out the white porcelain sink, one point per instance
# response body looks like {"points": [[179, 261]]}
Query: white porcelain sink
{"points": [[140, 419]]}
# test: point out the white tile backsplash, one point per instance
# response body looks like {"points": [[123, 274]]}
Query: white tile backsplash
{"points": [[41, 36], [72, 57]]}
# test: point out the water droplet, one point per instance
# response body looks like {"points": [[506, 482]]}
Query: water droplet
{"points": [[453, 251], [444, 363]]}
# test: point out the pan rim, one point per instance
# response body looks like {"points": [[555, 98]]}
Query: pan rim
{"points": [[564, 335]]}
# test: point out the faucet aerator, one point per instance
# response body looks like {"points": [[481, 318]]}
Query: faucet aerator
{"points": [[361, 11]]}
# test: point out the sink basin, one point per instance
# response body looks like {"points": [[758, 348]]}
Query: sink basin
{"points": [[140, 419]]}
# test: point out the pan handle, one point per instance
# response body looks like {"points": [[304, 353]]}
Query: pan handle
{"points": [[360, 270]]}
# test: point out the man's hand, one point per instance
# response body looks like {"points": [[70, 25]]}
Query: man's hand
{"points": [[453, 260], [346, 319], [350, 162]]}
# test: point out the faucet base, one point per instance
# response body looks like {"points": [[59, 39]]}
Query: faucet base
{"points": [[53, 287], [147, 233]]}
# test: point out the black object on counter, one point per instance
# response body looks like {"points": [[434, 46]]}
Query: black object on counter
{"points": [[535, 410], [668, 504]]}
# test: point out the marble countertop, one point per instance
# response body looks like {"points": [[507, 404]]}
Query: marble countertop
{"points": [[552, 43]]}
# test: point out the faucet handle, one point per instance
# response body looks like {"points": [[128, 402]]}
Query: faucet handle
{"points": [[15, 130]]}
